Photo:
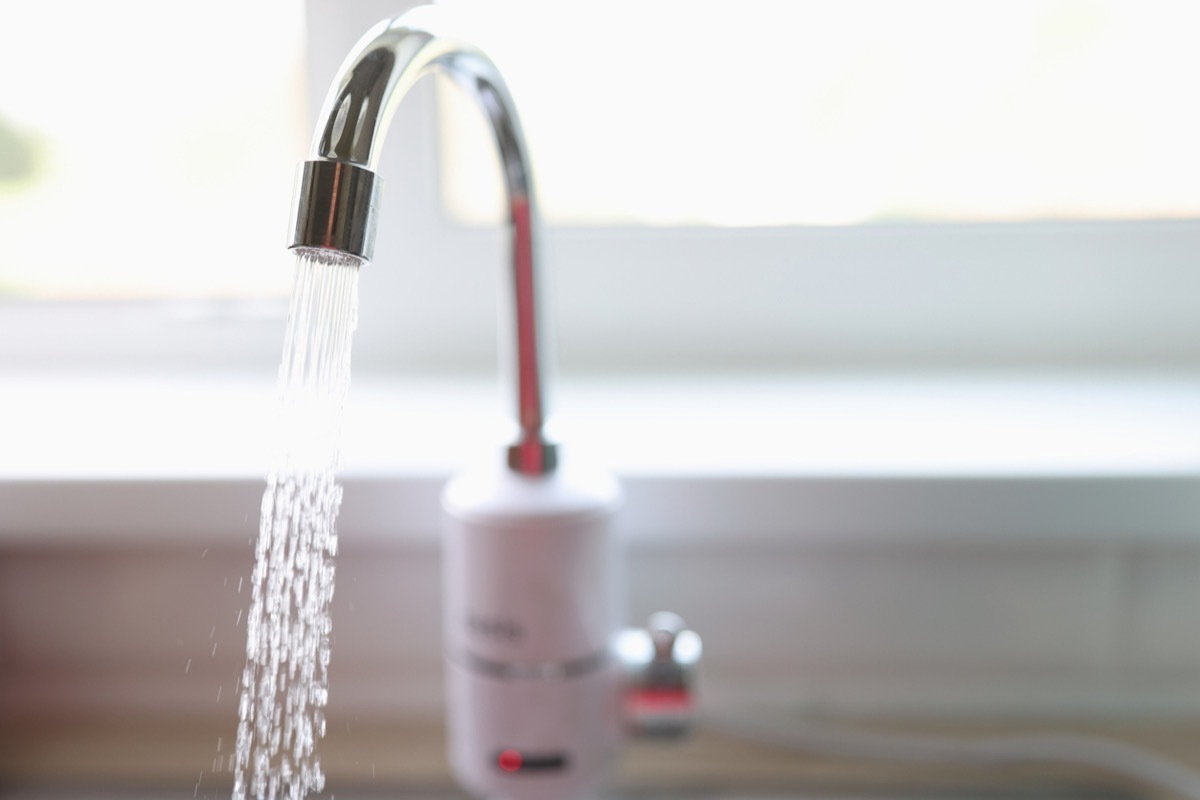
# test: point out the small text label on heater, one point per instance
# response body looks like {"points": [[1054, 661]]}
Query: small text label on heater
{"points": [[507, 630]]}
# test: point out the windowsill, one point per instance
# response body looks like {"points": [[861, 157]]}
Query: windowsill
{"points": [[954, 544], [867, 457]]}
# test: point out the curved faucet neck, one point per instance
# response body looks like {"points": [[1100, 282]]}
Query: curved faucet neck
{"points": [[337, 193]]}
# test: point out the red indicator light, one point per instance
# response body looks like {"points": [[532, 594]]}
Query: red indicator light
{"points": [[661, 699], [512, 760], [509, 760]]}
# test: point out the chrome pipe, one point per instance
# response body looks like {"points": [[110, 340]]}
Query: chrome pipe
{"points": [[337, 191]]}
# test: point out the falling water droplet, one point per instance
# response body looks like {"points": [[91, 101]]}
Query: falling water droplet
{"points": [[284, 687]]}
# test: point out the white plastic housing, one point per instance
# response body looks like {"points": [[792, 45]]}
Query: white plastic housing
{"points": [[532, 604]]}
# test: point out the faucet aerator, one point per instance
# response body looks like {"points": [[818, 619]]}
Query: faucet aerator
{"points": [[336, 205]]}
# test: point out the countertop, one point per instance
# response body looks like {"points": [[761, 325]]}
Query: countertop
{"points": [[404, 758]]}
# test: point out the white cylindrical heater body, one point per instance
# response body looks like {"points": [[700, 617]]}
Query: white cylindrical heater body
{"points": [[532, 604]]}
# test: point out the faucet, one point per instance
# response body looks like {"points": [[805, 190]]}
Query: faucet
{"points": [[541, 683], [338, 189]]}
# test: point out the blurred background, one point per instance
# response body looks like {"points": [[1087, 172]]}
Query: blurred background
{"points": [[886, 314]]}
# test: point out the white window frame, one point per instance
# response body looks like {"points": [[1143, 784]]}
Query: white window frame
{"points": [[889, 296]]}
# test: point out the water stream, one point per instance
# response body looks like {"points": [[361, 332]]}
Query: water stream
{"points": [[285, 686]]}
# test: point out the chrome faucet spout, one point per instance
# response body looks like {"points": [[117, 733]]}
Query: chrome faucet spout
{"points": [[337, 192]]}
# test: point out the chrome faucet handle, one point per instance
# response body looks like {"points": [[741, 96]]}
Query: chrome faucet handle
{"points": [[660, 663]]}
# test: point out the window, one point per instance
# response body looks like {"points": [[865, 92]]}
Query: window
{"points": [[147, 153], [1013, 273], [813, 229], [810, 112], [144, 146]]}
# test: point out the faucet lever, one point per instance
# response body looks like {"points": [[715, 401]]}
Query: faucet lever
{"points": [[660, 663]]}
